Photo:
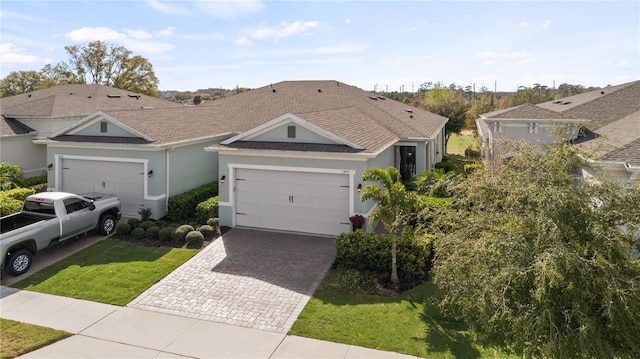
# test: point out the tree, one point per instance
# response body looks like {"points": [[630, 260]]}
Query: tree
{"points": [[541, 261], [106, 64], [449, 103], [394, 205], [10, 176], [18, 82]]}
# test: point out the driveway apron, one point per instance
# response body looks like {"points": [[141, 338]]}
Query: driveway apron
{"points": [[251, 278]]}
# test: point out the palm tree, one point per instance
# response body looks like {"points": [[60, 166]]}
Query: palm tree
{"points": [[394, 204]]}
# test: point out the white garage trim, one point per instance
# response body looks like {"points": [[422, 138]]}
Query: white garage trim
{"points": [[58, 170], [232, 174]]}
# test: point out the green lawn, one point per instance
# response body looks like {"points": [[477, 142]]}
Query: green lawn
{"points": [[111, 271], [409, 323], [18, 338], [459, 143]]}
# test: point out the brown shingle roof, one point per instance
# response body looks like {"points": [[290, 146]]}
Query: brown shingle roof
{"points": [[524, 111], [341, 109], [74, 100], [11, 126]]}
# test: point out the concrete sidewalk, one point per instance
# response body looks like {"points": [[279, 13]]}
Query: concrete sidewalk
{"points": [[108, 331]]}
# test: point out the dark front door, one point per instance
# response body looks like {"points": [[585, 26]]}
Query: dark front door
{"points": [[406, 161]]}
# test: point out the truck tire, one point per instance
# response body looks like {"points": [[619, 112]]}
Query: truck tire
{"points": [[19, 262], [107, 224]]}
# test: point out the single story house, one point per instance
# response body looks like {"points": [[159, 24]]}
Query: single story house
{"points": [[605, 123], [288, 156]]}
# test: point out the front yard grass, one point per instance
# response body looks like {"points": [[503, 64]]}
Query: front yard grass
{"points": [[409, 323], [459, 143], [111, 271], [18, 338]]}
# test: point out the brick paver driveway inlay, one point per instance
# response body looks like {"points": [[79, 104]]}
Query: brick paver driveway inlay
{"points": [[250, 278]]}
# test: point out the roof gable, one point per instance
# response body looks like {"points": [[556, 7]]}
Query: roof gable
{"points": [[100, 125], [276, 130]]}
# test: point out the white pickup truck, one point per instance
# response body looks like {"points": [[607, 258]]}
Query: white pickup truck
{"points": [[50, 217]]}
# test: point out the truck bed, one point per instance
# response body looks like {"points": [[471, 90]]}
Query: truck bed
{"points": [[19, 220]]}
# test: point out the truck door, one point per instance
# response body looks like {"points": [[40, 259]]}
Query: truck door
{"points": [[79, 217]]}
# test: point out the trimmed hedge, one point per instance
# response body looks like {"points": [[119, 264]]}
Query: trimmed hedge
{"points": [[372, 252], [138, 233], [166, 233], [19, 194], [123, 228], [133, 222], [194, 238], [183, 206], [207, 231], [152, 232], [214, 222], [180, 234], [146, 224], [207, 209]]}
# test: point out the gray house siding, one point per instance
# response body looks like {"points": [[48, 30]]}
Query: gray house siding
{"points": [[21, 151]]}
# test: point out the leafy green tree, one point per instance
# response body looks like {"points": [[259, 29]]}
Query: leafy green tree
{"points": [[448, 102], [394, 205], [18, 82], [106, 64], [10, 176], [541, 261]]}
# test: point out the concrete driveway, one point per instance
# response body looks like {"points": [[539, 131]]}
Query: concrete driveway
{"points": [[250, 278]]}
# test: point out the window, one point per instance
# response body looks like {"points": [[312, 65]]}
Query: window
{"points": [[103, 127], [75, 204], [291, 131]]}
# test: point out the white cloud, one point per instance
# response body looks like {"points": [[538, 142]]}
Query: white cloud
{"points": [[95, 33], [229, 9], [490, 58], [524, 24], [10, 53], [348, 21], [547, 24], [243, 41], [167, 32], [139, 34], [170, 9], [285, 29]]}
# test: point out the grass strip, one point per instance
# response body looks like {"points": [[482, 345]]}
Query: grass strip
{"points": [[111, 271], [19, 338]]}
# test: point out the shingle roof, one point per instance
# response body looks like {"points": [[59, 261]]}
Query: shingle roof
{"points": [[344, 110], [75, 100], [524, 111], [10, 126]]}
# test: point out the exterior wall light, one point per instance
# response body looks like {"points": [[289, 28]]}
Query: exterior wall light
{"points": [[223, 178], [359, 187]]}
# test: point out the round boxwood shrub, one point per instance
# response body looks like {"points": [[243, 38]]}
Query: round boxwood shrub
{"points": [[137, 233], [133, 222], [146, 224], [194, 238], [207, 231], [152, 232], [123, 228], [165, 234], [214, 222], [180, 233]]}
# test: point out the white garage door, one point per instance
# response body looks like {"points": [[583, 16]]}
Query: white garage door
{"points": [[293, 201], [126, 179]]}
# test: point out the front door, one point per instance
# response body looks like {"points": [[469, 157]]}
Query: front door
{"points": [[406, 162]]}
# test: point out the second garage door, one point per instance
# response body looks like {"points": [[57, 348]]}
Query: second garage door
{"points": [[292, 201], [126, 179]]}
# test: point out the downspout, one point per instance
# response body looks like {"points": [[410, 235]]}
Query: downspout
{"points": [[167, 172]]}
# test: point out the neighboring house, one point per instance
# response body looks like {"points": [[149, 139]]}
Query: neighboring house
{"points": [[606, 123], [288, 156]]}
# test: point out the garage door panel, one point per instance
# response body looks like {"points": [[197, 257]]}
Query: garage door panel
{"points": [[292, 201], [126, 179]]}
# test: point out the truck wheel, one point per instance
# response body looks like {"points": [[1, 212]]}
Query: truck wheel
{"points": [[19, 262], [107, 224]]}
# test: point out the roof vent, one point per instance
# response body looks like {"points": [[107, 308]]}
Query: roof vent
{"points": [[373, 98], [319, 90], [410, 116], [273, 90], [29, 95], [602, 92], [89, 96], [382, 98], [409, 110], [137, 97], [113, 96], [146, 107]]}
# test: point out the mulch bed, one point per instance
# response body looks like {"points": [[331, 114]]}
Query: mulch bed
{"points": [[158, 243]]}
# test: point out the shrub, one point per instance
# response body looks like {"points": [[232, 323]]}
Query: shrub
{"points": [[146, 224], [165, 234], [468, 169], [207, 231], [207, 209], [471, 153], [446, 166], [152, 232], [133, 222], [145, 214], [214, 222], [161, 224], [138, 233], [182, 206], [9, 205], [372, 252], [123, 229], [38, 183], [194, 238], [19, 194], [180, 234]]}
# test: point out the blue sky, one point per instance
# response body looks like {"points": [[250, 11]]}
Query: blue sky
{"points": [[381, 45]]}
